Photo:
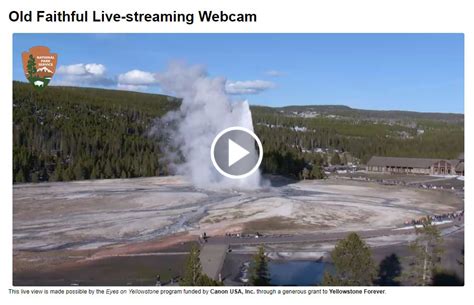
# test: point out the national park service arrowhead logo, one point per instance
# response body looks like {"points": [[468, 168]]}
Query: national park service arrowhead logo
{"points": [[39, 66]]}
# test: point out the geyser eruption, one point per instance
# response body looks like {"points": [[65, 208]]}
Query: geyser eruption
{"points": [[205, 110]]}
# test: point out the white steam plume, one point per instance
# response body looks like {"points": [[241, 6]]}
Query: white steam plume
{"points": [[206, 110]]}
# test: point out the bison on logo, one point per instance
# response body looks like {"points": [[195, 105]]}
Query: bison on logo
{"points": [[39, 66]]}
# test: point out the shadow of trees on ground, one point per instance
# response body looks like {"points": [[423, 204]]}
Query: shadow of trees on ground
{"points": [[447, 278]]}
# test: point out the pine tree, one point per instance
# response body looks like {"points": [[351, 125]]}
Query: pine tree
{"points": [[426, 253], [317, 172], [68, 174], [193, 269], [192, 275], [20, 176], [79, 171], [353, 263], [34, 177], [108, 171], [93, 173], [260, 275], [58, 173], [335, 160]]}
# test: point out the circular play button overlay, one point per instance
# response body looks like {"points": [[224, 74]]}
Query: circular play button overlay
{"points": [[236, 152]]}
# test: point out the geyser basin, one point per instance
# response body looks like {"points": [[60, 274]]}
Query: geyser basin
{"points": [[93, 214]]}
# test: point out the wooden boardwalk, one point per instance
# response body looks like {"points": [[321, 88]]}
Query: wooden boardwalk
{"points": [[212, 258]]}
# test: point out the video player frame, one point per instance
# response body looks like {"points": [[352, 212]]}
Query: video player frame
{"points": [[238, 159]]}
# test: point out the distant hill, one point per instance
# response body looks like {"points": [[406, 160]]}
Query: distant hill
{"points": [[348, 112]]}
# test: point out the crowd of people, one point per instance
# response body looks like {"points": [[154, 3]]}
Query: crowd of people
{"points": [[244, 235], [402, 182], [458, 215]]}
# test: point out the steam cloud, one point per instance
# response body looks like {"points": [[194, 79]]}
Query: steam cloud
{"points": [[206, 110]]}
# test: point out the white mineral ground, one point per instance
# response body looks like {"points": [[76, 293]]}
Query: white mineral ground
{"points": [[103, 215]]}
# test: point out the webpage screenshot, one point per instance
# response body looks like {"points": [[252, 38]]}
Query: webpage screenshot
{"points": [[258, 164]]}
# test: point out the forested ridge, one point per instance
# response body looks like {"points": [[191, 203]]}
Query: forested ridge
{"points": [[421, 137], [71, 133], [66, 133], [374, 115]]}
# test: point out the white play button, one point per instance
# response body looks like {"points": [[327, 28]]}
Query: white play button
{"points": [[236, 152]]}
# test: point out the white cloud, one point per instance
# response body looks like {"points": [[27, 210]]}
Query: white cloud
{"points": [[95, 69], [77, 69], [82, 69], [94, 74], [137, 78], [83, 74], [248, 87], [274, 73]]}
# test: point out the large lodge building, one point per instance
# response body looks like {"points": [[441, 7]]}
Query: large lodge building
{"points": [[417, 165]]}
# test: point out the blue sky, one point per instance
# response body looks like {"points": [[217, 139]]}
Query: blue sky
{"points": [[419, 72]]}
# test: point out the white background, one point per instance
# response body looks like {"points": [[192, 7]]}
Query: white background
{"points": [[329, 16]]}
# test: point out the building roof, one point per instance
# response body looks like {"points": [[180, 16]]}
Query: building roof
{"points": [[405, 162]]}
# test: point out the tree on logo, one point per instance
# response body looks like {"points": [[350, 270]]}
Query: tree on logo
{"points": [[31, 67]]}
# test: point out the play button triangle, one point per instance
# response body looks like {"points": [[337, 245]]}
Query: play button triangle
{"points": [[236, 152]]}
